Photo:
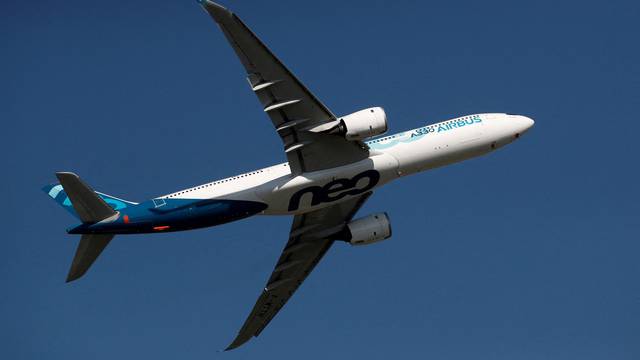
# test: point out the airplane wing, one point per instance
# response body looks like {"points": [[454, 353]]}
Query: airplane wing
{"points": [[309, 239], [295, 112]]}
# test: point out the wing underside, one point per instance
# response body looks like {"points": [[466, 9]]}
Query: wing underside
{"points": [[310, 238], [307, 129], [294, 111]]}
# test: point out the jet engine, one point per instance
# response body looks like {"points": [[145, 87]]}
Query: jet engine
{"points": [[363, 124], [369, 229]]}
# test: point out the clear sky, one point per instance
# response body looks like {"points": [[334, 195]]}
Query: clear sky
{"points": [[528, 253]]}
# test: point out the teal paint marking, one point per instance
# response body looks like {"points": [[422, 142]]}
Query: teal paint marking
{"points": [[115, 204], [423, 131], [459, 123], [55, 191], [401, 138]]}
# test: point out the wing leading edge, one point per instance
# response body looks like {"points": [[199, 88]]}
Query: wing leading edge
{"points": [[310, 238], [294, 111]]}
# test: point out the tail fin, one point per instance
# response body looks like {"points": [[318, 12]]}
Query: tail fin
{"points": [[59, 193], [90, 207]]}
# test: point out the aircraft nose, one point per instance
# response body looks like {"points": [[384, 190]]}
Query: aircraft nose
{"points": [[523, 124], [528, 122]]}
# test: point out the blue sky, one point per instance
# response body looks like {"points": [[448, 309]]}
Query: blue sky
{"points": [[528, 253]]}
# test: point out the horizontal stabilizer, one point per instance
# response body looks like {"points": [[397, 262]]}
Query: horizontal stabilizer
{"points": [[89, 248], [90, 207]]}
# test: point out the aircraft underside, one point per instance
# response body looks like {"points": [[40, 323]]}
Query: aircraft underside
{"points": [[334, 164]]}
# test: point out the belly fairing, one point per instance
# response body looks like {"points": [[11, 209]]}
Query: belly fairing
{"points": [[318, 189]]}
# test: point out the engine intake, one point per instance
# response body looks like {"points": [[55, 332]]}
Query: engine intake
{"points": [[369, 229], [364, 124]]}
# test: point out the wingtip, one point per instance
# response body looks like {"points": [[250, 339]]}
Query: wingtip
{"points": [[216, 10], [237, 342], [232, 346], [210, 5], [73, 275]]}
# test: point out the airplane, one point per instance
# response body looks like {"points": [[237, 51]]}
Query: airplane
{"points": [[334, 165]]}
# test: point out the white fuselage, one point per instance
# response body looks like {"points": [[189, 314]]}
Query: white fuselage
{"points": [[391, 157]]}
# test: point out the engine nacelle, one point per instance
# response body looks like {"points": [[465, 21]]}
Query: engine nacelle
{"points": [[369, 229], [364, 124]]}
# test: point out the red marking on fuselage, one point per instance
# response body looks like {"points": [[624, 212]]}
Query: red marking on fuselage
{"points": [[160, 228], [125, 219]]}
